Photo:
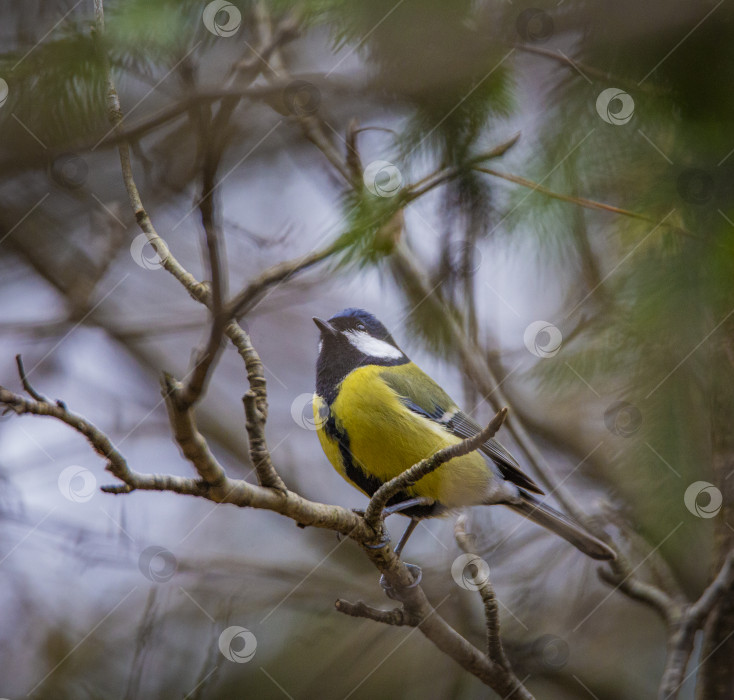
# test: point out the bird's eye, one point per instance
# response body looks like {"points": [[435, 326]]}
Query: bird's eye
{"points": [[361, 327]]}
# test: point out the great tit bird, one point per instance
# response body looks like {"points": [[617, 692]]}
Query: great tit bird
{"points": [[377, 414]]}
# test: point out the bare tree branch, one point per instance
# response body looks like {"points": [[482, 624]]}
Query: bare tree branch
{"points": [[638, 590], [207, 357], [197, 290], [26, 384], [259, 452], [715, 590], [240, 493], [435, 628], [101, 444], [684, 625], [192, 443], [495, 650], [397, 616]]}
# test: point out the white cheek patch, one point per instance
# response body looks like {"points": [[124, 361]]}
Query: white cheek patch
{"points": [[373, 347]]}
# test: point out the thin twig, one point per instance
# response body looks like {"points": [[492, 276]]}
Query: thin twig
{"points": [[101, 444], [197, 290], [26, 384], [717, 588], [634, 588], [684, 626], [246, 299], [373, 512], [161, 117], [312, 125], [352, 158], [397, 616], [438, 631], [206, 358], [495, 651], [580, 201], [440, 176]]}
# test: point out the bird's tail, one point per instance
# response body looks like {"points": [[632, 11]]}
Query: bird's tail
{"points": [[555, 521]]}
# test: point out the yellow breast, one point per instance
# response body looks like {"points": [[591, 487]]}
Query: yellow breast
{"points": [[385, 439]]}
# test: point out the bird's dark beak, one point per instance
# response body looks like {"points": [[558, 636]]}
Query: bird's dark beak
{"points": [[324, 326]]}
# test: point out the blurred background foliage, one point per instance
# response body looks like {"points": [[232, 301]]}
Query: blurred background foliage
{"points": [[633, 408]]}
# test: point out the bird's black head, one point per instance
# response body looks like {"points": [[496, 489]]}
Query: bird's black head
{"points": [[350, 339]]}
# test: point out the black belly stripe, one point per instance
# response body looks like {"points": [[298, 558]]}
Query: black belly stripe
{"points": [[368, 483]]}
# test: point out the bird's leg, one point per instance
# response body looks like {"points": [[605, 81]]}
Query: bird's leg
{"points": [[409, 503], [414, 570], [397, 508], [408, 532]]}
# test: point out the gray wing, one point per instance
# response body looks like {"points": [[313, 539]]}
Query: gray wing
{"points": [[463, 426]]}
